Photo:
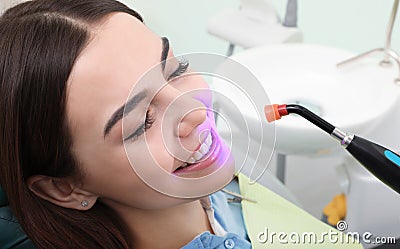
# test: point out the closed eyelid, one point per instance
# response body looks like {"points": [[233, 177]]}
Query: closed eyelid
{"points": [[130, 105], [124, 110]]}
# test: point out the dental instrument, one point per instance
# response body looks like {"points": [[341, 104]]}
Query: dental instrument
{"points": [[380, 161], [386, 50]]}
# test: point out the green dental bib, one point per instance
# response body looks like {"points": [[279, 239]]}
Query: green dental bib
{"points": [[274, 222]]}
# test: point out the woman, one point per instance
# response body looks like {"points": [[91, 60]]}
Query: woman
{"points": [[67, 69]]}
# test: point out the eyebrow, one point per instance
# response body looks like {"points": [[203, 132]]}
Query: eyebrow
{"points": [[164, 54], [135, 100]]}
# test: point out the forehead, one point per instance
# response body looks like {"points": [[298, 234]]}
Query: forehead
{"points": [[122, 49]]}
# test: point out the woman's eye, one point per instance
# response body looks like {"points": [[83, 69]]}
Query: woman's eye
{"points": [[181, 69], [149, 120]]}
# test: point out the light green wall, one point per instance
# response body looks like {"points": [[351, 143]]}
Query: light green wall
{"points": [[183, 22], [356, 25]]}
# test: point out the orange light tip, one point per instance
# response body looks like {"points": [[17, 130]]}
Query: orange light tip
{"points": [[272, 113]]}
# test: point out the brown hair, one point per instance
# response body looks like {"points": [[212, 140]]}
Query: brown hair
{"points": [[39, 43]]}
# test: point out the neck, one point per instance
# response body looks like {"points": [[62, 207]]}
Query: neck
{"points": [[172, 227]]}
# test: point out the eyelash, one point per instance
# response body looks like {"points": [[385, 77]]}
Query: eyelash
{"points": [[149, 120], [182, 68]]}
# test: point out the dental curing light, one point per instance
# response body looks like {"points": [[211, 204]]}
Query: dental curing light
{"points": [[382, 162]]}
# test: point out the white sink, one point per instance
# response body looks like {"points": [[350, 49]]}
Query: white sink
{"points": [[354, 98]]}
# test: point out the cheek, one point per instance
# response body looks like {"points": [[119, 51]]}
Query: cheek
{"points": [[149, 155], [159, 153], [201, 90], [110, 175], [158, 156], [189, 82]]}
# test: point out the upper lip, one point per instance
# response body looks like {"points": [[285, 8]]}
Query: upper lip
{"points": [[180, 163]]}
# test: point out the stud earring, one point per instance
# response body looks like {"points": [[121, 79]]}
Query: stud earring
{"points": [[85, 203]]}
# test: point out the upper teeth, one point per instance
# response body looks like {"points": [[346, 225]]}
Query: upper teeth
{"points": [[204, 149]]}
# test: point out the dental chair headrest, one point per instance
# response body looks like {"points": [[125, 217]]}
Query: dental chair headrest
{"points": [[11, 236]]}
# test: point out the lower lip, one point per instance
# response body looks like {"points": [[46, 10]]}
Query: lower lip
{"points": [[207, 160]]}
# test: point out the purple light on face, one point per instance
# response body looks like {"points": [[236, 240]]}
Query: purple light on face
{"points": [[218, 155], [224, 150]]}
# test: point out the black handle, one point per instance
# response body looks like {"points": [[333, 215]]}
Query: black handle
{"points": [[383, 163]]}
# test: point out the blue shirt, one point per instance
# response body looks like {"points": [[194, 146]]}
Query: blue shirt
{"points": [[229, 217], [207, 240]]}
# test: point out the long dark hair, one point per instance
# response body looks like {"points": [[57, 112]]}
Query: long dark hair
{"points": [[39, 42]]}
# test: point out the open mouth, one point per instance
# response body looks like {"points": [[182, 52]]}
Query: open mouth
{"points": [[203, 157]]}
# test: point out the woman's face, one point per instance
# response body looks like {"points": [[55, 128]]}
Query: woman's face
{"points": [[116, 154]]}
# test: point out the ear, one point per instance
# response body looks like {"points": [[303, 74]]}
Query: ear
{"points": [[61, 192]]}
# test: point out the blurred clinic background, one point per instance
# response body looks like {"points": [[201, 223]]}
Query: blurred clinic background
{"points": [[357, 25]]}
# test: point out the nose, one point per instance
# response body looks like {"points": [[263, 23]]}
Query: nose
{"points": [[191, 120], [184, 108]]}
